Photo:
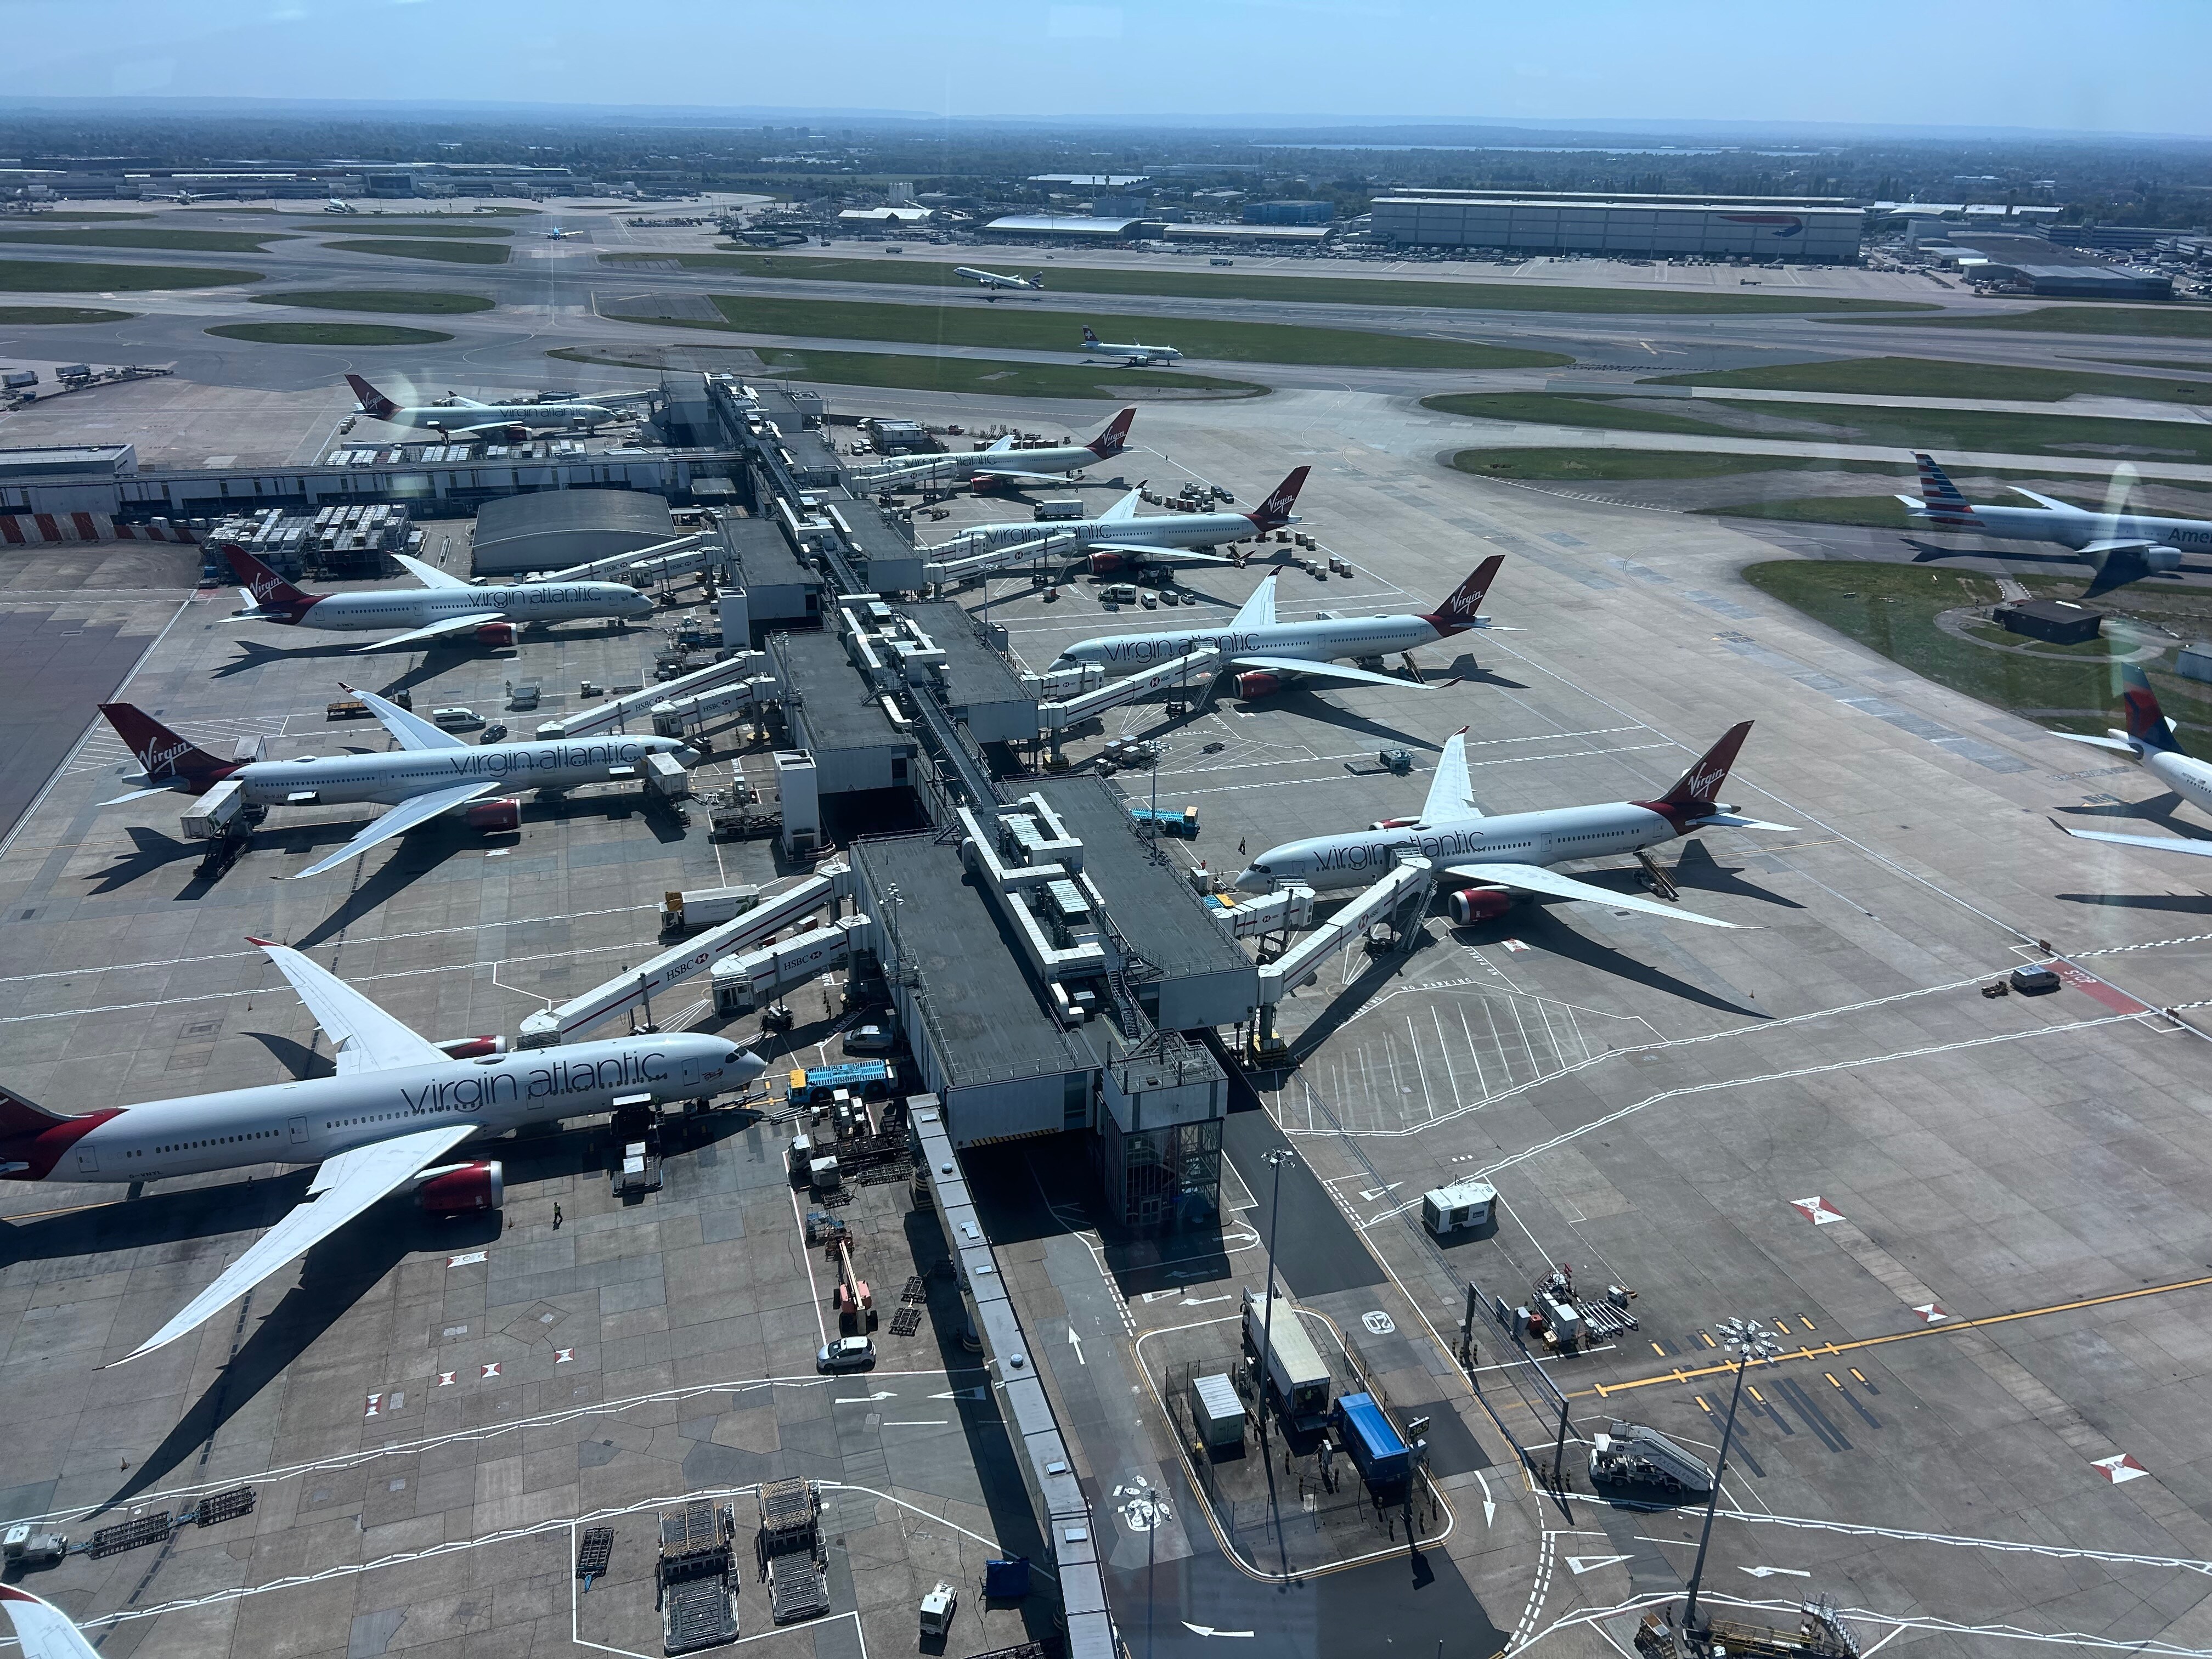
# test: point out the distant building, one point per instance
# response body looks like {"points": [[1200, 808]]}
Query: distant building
{"points": [[884, 218], [554, 529], [1112, 207], [2054, 620], [1289, 213], [2051, 269], [1035, 226], [1629, 226]]}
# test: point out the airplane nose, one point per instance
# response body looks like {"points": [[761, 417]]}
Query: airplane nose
{"points": [[1251, 881]]}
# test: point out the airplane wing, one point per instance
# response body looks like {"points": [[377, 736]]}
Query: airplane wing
{"points": [[412, 731], [344, 1187], [1026, 477], [1535, 878], [1000, 445], [1158, 555], [2044, 500], [1327, 670], [428, 574], [436, 630], [416, 809], [2202, 849], [1259, 610], [1124, 508], [43, 1629], [1451, 795], [2106, 550], [365, 1037], [454, 400]]}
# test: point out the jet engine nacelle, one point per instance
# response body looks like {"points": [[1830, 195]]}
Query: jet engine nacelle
{"points": [[1394, 824], [496, 633], [2163, 558], [461, 1188], [1105, 564], [503, 813], [1472, 904], [1258, 684], [474, 1047]]}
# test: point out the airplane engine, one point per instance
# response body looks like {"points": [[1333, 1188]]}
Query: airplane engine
{"points": [[496, 633], [1258, 685], [462, 1189], [1105, 564], [2163, 558], [1394, 824], [1472, 904], [503, 813], [474, 1047]]}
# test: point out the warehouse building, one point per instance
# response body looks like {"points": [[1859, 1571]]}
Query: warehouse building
{"points": [[1289, 213], [554, 529], [1033, 226], [1630, 228], [2033, 266]]}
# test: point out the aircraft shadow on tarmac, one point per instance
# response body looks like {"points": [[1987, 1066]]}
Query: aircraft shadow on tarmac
{"points": [[151, 850], [1464, 670], [2159, 809], [1533, 922], [2194, 904], [1697, 869], [297, 1058]]}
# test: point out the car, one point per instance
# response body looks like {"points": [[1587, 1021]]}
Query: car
{"points": [[847, 1353], [870, 1040], [456, 719], [2034, 979]]}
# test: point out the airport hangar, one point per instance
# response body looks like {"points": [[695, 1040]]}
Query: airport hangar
{"points": [[1791, 228]]}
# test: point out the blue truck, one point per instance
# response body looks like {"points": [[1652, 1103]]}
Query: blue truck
{"points": [[870, 1079], [1166, 820], [1379, 1451]]}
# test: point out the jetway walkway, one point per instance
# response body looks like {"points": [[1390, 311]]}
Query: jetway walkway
{"points": [[1058, 717], [622, 563], [739, 666], [1405, 886], [677, 716], [943, 572]]}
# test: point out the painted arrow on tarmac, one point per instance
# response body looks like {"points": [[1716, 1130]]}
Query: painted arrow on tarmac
{"points": [[1489, 1504], [963, 1393], [1208, 1629], [1583, 1563], [1200, 1301], [1076, 1343], [1769, 1572]]}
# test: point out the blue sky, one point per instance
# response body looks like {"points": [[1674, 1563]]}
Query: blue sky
{"points": [[2134, 66]]}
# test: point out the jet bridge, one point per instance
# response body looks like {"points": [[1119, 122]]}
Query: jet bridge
{"points": [[739, 666], [1405, 886], [678, 715], [621, 564], [943, 572], [1058, 717]]}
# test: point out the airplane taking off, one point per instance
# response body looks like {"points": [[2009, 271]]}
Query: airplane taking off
{"points": [[43, 1629], [2099, 537], [992, 279], [444, 607], [1267, 653], [1508, 854], [1003, 464], [1138, 356], [2149, 741], [466, 418], [1117, 540], [431, 773], [398, 1104]]}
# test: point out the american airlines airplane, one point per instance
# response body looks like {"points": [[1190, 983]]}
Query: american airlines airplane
{"points": [[1509, 854], [1269, 653], [466, 418], [397, 1105], [1003, 464], [431, 773], [1117, 540], [43, 1629], [992, 279], [2149, 741], [443, 607], [1138, 356], [2098, 538]]}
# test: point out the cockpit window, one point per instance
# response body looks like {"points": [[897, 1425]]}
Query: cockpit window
{"points": [[1261, 869]]}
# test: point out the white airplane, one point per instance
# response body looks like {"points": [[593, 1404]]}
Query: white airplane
{"points": [[1508, 854], [1002, 463], [444, 607], [1138, 356], [1267, 652], [2155, 543], [992, 279], [2150, 740], [431, 773], [466, 416], [335, 205], [1117, 540], [43, 1629], [397, 1105]]}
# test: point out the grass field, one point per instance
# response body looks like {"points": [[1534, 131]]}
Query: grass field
{"points": [[1260, 285], [1875, 512], [328, 334], [981, 376], [452, 253], [352, 226], [1062, 330], [176, 241], [2178, 323], [75, 276], [1560, 409], [1621, 465], [1922, 377], [12, 223], [404, 301], [34, 314]]}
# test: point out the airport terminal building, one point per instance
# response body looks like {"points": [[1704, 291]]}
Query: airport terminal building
{"points": [[1628, 228]]}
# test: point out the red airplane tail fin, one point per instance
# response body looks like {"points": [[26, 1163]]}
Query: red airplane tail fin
{"points": [[1465, 604], [372, 401], [270, 591], [20, 1117], [160, 751], [1700, 785], [1115, 437], [1275, 511]]}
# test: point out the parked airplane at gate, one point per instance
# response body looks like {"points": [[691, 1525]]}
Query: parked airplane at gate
{"points": [[1138, 356], [397, 1105], [431, 773], [1509, 854], [466, 418], [1117, 540], [1267, 652], [444, 607], [2149, 741], [1003, 464], [992, 279], [2099, 537]]}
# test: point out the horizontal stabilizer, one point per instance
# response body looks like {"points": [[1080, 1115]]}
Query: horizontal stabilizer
{"points": [[137, 795], [2202, 849], [2117, 746], [1730, 821], [1535, 878]]}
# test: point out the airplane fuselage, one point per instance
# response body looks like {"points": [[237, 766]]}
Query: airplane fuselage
{"points": [[419, 607], [1327, 639], [1108, 348], [1553, 836], [392, 776], [2079, 529], [317, 1118], [461, 418], [1073, 459], [1162, 529]]}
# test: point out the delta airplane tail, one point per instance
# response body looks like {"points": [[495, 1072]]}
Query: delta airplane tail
{"points": [[1941, 502], [1698, 789], [2147, 723], [165, 756], [272, 596], [1115, 438], [373, 402], [1458, 612], [1275, 512]]}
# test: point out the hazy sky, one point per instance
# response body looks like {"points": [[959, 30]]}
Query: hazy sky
{"points": [[2138, 65]]}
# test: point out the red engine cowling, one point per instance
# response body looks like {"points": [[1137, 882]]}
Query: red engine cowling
{"points": [[1258, 685], [474, 1047], [1472, 904], [503, 813], [495, 633], [463, 1188], [1394, 824], [1105, 564]]}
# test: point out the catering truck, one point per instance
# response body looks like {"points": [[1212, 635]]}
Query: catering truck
{"points": [[1295, 1367]]}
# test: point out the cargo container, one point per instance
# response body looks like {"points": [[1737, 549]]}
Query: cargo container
{"points": [[1216, 1411], [665, 777], [1053, 510], [706, 907], [1446, 1210], [1295, 1367], [1373, 1442]]}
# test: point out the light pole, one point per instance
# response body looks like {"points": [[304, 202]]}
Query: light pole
{"points": [[1752, 1343], [1276, 1159]]}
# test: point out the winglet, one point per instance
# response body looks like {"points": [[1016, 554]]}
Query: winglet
{"points": [[261, 944]]}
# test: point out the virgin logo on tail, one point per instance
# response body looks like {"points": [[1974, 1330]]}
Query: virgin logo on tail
{"points": [[1276, 509], [1115, 437], [266, 584], [159, 758], [1703, 781]]}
